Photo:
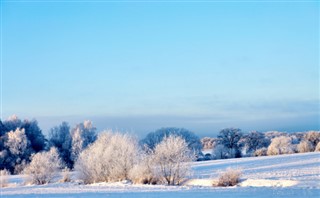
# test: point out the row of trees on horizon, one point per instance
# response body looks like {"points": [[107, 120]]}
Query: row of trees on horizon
{"points": [[22, 141]]}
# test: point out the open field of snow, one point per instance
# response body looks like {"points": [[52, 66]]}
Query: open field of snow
{"points": [[296, 175]]}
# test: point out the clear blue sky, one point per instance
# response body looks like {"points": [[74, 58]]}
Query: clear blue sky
{"points": [[137, 66]]}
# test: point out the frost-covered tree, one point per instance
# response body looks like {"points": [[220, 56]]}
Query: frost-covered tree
{"points": [[12, 123], [313, 137], [17, 150], [34, 134], [209, 143], [220, 152], [154, 138], [43, 166], [171, 156], [254, 141], [82, 135], [305, 146], [60, 137], [230, 138], [109, 158], [17, 142], [280, 145]]}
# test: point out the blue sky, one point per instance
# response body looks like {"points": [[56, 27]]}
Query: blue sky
{"points": [[138, 66]]}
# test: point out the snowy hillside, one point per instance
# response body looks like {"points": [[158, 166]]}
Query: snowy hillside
{"points": [[296, 175]]}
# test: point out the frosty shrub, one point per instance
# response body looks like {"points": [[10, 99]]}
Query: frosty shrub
{"points": [[66, 177], [260, 152], [305, 146], [171, 157], [143, 172], [230, 177], [4, 178], [109, 158], [317, 147], [43, 167], [280, 145]]}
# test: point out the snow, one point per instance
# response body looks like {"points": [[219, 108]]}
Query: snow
{"points": [[296, 175]]}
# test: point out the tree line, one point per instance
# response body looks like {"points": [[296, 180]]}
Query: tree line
{"points": [[161, 157]]}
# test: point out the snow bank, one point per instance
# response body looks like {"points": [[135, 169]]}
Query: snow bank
{"points": [[267, 183]]}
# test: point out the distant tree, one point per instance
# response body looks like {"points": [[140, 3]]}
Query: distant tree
{"points": [[18, 141], [230, 138], [171, 156], [313, 137], [220, 152], [209, 143], [12, 123], [280, 145], [82, 135], [254, 141], [3, 129], [154, 138], [60, 137], [34, 134]]}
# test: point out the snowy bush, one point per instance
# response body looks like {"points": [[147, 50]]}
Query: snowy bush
{"points": [[4, 178], [305, 146], [43, 166], [109, 158], [230, 177], [171, 157], [280, 145], [66, 176], [260, 152], [143, 172]]}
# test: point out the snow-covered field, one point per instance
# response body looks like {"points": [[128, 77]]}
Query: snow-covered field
{"points": [[296, 175]]}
